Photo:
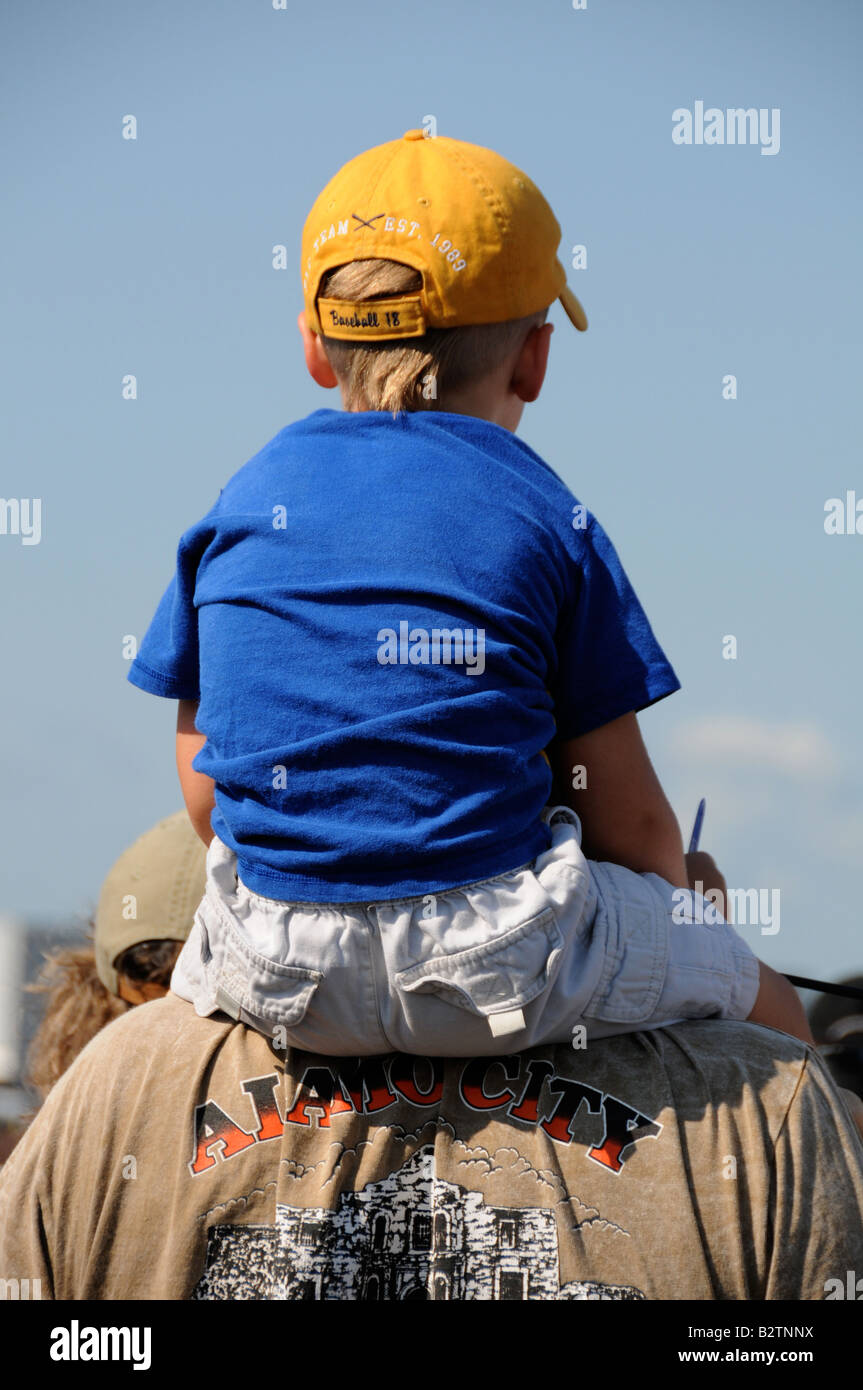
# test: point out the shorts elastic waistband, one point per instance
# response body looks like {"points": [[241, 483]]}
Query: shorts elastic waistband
{"points": [[222, 865]]}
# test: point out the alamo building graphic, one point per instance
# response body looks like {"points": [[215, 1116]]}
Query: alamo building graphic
{"points": [[407, 1236]]}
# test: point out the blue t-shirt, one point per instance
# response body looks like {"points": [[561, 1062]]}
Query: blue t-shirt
{"points": [[386, 621]]}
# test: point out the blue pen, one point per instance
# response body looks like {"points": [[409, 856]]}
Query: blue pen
{"points": [[696, 829]]}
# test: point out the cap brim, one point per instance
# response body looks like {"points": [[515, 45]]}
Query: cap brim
{"points": [[574, 311]]}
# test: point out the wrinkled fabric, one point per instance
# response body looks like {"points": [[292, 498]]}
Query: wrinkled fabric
{"points": [[504, 963], [340, 776], [184, 1157]]}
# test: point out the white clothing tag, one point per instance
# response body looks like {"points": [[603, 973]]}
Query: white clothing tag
{"points": [[510, 1022]]}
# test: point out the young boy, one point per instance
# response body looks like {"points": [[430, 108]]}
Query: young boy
{"points": [[375, 633]]}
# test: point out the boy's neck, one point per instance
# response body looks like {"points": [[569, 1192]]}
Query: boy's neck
{"points": [[499, 409]]}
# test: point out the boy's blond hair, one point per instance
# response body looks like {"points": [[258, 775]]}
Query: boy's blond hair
{"points": [[413, 373]]}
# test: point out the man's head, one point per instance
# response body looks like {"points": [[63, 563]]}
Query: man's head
{"points": [[146, 909], [144, 970], [429, 266], [145, 912]]}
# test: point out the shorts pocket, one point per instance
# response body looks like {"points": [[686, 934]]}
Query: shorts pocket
{"points": [[630, 932], [242, 982], [495, 976]]}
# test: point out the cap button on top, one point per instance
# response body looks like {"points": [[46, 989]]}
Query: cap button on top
{"points": [[414, 135]]}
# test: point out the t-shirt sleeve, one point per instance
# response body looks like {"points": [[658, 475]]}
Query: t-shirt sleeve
{"points": [[609, 662], [167, 660], [817, 1220]]}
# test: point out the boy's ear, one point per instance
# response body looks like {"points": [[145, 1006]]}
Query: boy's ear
{"points": [[316, 359], [529, 371]]}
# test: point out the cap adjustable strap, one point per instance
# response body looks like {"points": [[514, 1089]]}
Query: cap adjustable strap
{"points": [[398, 317]]}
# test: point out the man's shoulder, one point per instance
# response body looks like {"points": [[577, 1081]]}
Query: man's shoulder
{"points": [[686, 1066], [727, 1047], [735, 1041], [721, 1049], [151, 1035], [731, 1062]]}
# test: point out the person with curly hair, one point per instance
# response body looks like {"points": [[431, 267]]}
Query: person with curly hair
{"points": [[145, 911]]}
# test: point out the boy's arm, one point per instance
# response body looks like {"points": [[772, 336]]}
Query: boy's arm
{"points": [[625, 816], [198, 789]]}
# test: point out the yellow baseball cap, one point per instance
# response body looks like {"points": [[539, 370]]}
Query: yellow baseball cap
{"points": [[477, 229]]}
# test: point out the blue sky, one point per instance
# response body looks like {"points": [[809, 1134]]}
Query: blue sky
{"points": [[153, 257]]}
